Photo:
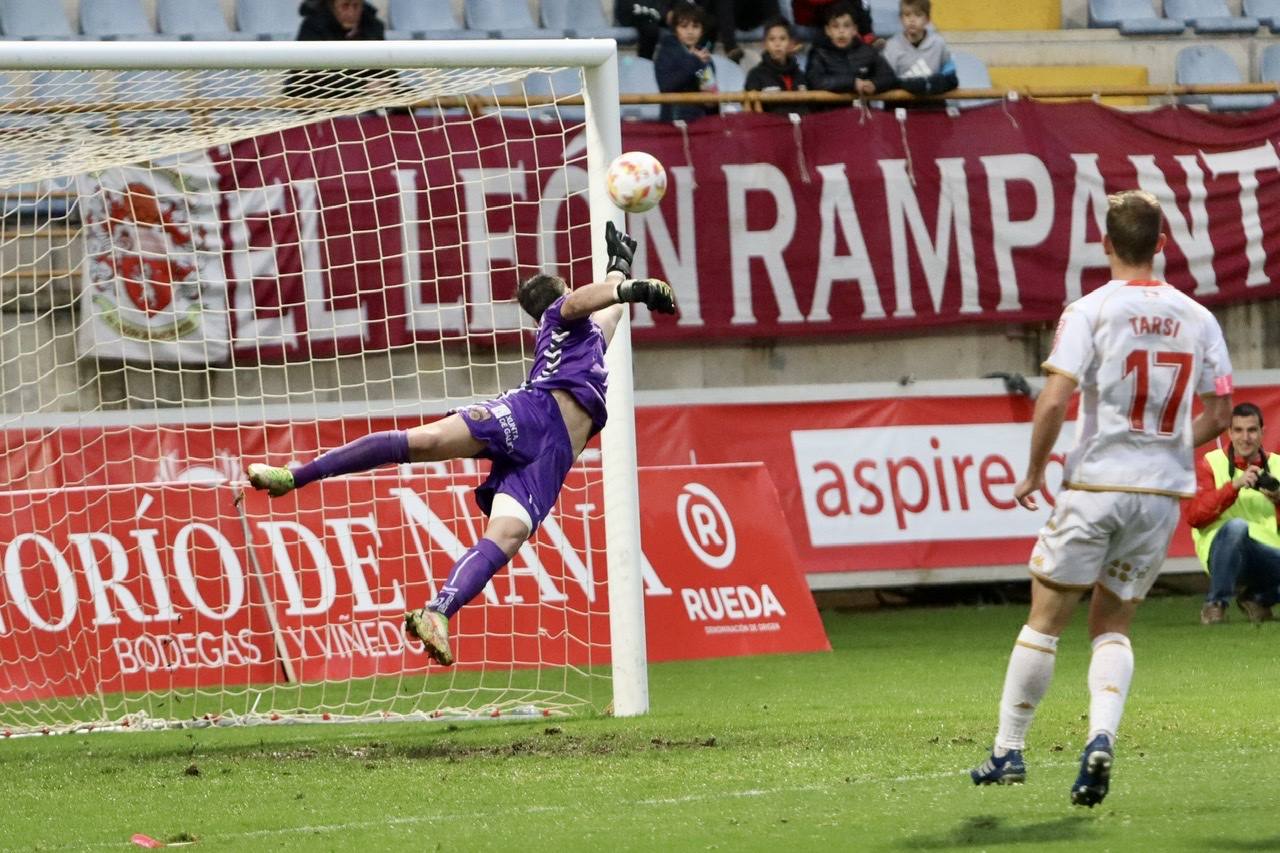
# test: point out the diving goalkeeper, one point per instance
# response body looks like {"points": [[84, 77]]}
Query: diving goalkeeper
{"points": [[532, 434]]}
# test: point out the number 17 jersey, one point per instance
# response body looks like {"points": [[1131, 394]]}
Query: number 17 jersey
{"points": [[1139, 350]]}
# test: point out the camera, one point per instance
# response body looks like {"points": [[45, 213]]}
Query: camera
{"points": [[1266, 481]]}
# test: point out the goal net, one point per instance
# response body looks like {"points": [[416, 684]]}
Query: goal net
{"points": [[219, 254]]}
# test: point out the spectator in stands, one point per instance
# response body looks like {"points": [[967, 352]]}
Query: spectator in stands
{"points": [[335, 20], [1233, 520], [814, 13], [649, 17], [683, 63], [918, 55], [734, 15], [840, 61], [778, 71]]}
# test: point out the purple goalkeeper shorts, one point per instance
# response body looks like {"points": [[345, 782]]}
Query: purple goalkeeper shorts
{"points": [[525, 436]]}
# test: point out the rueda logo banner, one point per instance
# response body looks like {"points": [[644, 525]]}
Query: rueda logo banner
{"points": [[138, 588], [731, 582], [371, 232]]}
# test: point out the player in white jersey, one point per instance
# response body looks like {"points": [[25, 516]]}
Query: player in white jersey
{"points": [[1137, 349]]}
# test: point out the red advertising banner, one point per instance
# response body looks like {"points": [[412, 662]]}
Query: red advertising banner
{"points": [[890, 483], [381, 231], [162, 587]]}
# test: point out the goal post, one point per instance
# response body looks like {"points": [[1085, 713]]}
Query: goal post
{"points": [[213, 254]]}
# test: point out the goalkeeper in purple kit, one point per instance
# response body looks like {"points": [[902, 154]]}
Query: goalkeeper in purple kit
{"points": [[532, 434]]}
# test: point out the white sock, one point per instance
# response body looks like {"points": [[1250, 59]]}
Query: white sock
{"points": [[1025, 683], [1110, 672]]}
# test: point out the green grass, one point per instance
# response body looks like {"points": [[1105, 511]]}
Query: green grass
{"points": [[861, 749]]}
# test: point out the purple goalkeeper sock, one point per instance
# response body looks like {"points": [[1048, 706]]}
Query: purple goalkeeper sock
{"points": [[372, 450], [468, 577]]}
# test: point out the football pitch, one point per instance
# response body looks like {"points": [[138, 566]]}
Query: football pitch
{"points": [[865, 748]]}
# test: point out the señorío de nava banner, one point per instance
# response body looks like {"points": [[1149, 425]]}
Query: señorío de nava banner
{"points": [[161, 586], [374, 231]]}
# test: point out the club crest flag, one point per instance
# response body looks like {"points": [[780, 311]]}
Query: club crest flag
{"points": [[154, 287]]}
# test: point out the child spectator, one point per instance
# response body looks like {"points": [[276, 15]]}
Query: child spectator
{"points": [[841, 62], [918, 55], [814, 13], [683, 63], [778, 71]]}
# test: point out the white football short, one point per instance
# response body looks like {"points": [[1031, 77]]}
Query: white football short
{"points": [[1116, 539]]}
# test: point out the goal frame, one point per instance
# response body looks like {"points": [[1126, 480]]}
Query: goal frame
{"points": [[598, 58]]}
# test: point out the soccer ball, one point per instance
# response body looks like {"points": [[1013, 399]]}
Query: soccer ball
{"points": [[636, 181]]}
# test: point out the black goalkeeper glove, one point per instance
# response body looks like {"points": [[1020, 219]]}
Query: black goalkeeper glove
{"points": [[621, 250], [655, 294]]}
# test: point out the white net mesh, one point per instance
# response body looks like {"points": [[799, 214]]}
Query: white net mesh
{"points": [[203, 269]]}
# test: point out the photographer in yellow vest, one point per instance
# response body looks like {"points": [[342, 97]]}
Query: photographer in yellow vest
{"points": [[1233, 517]]}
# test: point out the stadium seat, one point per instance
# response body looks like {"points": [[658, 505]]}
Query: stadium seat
{"points": [[1206, 64], [972, 74], [114, 19], [884, 18], [505, 20], [192, 19], [1208, 16], [583, 19], [268, 19], [729, 78], [428, 19], [636, 77], [1132, 18], [1269, 65], [557, 84], [142, 87], [1266, 11], [23, 19]]}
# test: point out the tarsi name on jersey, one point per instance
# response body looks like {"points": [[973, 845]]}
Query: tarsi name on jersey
{"points": [[1155, 325]]}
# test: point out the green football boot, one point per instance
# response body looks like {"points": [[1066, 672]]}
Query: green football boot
{"points": [[276, 481], [432, 629]]}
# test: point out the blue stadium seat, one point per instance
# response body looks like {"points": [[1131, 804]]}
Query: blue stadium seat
{"points": [[1266, 11], [1269, 65], [636, 77], [428, 19], [583, 19], [973, 74], [1132, 18], [729, 78], [557, 84], [192, 19], [505, 20], [142, 87], [268, 19], [1208, 16], [79, 88], [1207, 64], [24, 19], [884, 18], [114, 19]]}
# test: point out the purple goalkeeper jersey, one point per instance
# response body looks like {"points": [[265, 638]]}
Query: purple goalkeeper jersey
{"points": [[569, 354]]}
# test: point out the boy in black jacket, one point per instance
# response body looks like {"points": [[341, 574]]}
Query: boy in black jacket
{"points": [[778, 71], [683, 63], [841, 62]]}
